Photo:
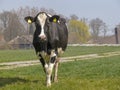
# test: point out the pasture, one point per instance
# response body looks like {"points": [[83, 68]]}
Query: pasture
{"points": [[23, 55], [92, 74]]}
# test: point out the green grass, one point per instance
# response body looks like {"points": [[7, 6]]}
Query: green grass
{"points": [[22, 55], [82, 50], [96, 74], [17, 55]]}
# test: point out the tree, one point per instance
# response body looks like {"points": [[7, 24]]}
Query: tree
{"points": [[118, 26], [4, 17], [31, 29], [27, 11], [74, 17], [51, 11], [14, 27], [80, 31], [97, 26], [105, 29]]}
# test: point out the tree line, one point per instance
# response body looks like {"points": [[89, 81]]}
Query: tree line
{"points": [[12, 24]]}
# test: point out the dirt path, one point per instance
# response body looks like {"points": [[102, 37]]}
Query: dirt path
{"points": [[12, 65]]}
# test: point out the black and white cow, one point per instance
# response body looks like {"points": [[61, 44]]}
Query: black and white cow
{"points": [[49, 40]]}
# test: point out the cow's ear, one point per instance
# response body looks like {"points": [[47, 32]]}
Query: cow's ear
{"points": [[29, 19], [54, 18]]}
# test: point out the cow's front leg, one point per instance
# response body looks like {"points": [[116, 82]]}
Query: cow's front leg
{"points": [[50, 67], [49, 73]]}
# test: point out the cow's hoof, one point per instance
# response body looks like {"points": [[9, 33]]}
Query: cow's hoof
{"points": [[48, 85], [55, 80]]}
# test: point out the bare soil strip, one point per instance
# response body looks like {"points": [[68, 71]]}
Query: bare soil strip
{"points": [[12, 65]]}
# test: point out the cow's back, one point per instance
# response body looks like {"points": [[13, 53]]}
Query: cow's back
{"points": [[63, 35]]}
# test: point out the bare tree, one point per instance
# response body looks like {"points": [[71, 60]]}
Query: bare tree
{"points": [[14, 27], [118, 26], [4, 18], [97, 26], [105, 29], [27, 11], [52, 12], [43, 9], [74, 17]]}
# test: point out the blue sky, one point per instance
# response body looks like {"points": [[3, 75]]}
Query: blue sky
{"points": [[107, 10]]}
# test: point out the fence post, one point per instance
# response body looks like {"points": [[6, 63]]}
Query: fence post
{"points": [[116, 35]]}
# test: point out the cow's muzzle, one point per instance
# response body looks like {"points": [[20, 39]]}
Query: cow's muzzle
{"points": [[42, 37]]}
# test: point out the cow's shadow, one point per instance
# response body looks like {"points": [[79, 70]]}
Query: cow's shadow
{"points": [[8, 81]]}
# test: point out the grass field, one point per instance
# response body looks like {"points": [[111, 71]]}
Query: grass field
{"points": [[96, 74], [23, 55]]}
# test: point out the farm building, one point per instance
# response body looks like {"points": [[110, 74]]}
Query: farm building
{"points": [[21, 42]]}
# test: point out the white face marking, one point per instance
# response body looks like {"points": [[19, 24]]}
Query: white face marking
{"points": [[42, 18]]}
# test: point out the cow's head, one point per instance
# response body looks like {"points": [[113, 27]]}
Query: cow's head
{"points": [[42, 21]]}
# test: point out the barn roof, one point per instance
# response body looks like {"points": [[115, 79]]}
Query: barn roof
{"points": [[25, 39]]}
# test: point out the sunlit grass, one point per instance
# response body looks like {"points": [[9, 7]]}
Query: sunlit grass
{"points": [[96, 74]]}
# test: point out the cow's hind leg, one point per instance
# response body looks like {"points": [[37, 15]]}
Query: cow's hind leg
{"points": [[56, 70]]}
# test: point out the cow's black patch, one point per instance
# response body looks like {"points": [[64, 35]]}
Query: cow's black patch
{"points": [[53, 59]]}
